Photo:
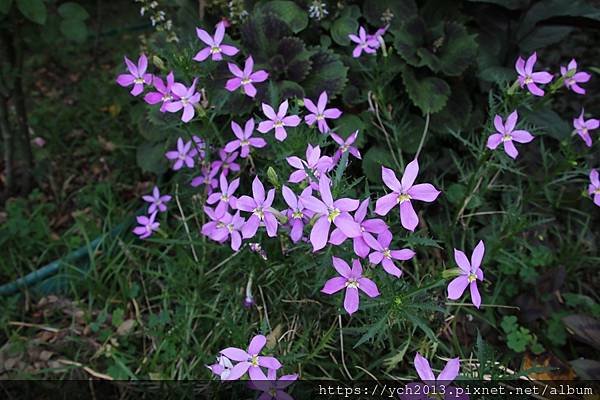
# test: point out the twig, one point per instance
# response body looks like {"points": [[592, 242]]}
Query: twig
{"points": [[423, 136], [90, 371], [468, 199], [373, 105], [484, 305], [213, 269], [342, 348], [185, 225], [28, 325], [265, 307], [483, 213]]}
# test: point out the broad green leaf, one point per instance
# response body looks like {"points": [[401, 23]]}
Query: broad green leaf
{"points": [[348, 124], [458, 49], [457, 113], [74, 29], [151, 157], [409, 38], [510, 4], [382, 12], [373, 159], [328, 74], [5, 6], [544, 36], [288, 11], [430, 94], [341, 28], [549, 123], [33, 10], [73, 10], [497, 74]]}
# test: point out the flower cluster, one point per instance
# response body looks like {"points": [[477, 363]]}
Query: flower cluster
{"points": [[367, 43], [147, 223]]}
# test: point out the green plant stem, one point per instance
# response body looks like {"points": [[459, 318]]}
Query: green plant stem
{"points": [[7, 138], [474, 181], [423, 136]]}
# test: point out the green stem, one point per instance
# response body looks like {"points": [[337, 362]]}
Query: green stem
{"points": [[423, 136]]}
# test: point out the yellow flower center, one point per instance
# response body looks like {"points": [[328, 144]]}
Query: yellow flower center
{"points": [[506, 138], [139, 80], [278, 124], [254, 360], [297, 214], [403, 197], [320, 117], [244, 142], [352, 282], [472, 277], [246, 81], [215, 49], [224, 197], [333, 213], [528, 80], [387, 253], [258, 211]]}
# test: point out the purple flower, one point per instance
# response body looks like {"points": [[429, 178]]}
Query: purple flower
{"points": [[245, 78], [403, 194], [351, 280], [226, 162], [594, 188], [277, 120], [163, 92], [200, 147], [439, 385], [273, 388], [186, 98], [183, 154], [575, 78], [137, 75], [505, 133], [345, 146], [319, 113], [221, 368], [363, 43], [226, 197], [530, 78], [223, 227], [244, 139], [361, 248], [314, 163], [469, 273], [206, 178], [157, 202], [583, 128], [147, 225], [250, 361], [297, 214], [260, 207], [215, 48], [330, 212], [377, 36], [382, 253]]}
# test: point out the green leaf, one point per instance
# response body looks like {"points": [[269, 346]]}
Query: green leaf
{"points": [[549, 122], [288, 11], [118, 317], [509, 323], [394, 12], [409, 38], [348, 124], [430, 94], [373, 159], [510, 4], [544, 36], [458, 49], [150, 157], [33, 10], [519, 339], [341, 28], [73, 10], [328, 74], [5, 6], [497, 74], [74, 29]]}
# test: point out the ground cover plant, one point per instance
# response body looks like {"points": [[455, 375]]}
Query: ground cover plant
{"points": [[351, 190]]}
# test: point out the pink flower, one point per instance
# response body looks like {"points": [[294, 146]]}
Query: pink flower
{"points": [[147, 225], [421, 391], [363, 43], [273, 388], [250, 360], [206, 178], [226, 162], [186, 98], [583, 128], [183, 155], [345, 146], [137, 75], [403, 194], [319, 113], [529, 78], [297, 214], [330, 212], [244, 139], [314, 163], [382, 253], [260, 207], [226, 197], [351, 280], [157, 202], [361, 248], [506, 134], [222, 368], [163, 92], [594, 188], [470, 272], [377, 36], [215, 48], [575, 78], [223, 227], [245, 78], [277, 120]]}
